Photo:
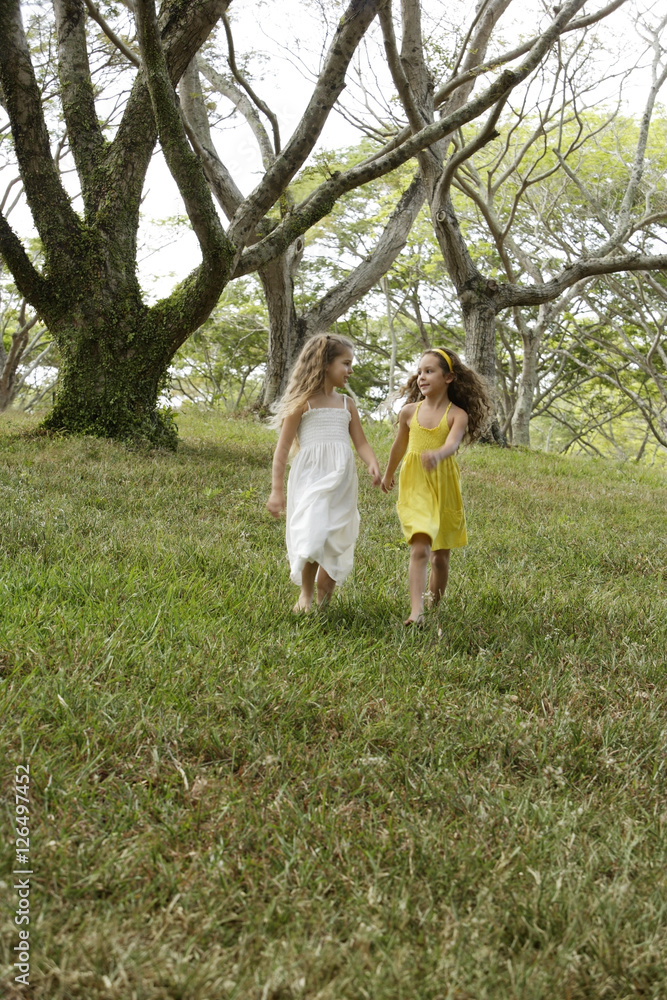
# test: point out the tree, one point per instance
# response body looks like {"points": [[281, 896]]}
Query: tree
{"points": [[483, 297], [620, 343], [24, 347], [115, 349]]}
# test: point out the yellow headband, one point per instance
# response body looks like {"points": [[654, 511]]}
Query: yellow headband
{"points": [[436, 350]]}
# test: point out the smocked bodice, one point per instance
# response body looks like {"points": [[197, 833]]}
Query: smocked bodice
{"points": [[324, 425], [427, 438]]}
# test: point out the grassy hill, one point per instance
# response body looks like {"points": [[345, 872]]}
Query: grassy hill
{"points": [[230, 803]]}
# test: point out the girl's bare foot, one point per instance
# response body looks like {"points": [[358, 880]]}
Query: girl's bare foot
{"points": [[418, 621], [307, 591], [325, 587], [302, 606]]}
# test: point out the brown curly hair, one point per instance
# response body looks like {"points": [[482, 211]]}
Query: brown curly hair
{"points": [[307, 377], [468, 390]]}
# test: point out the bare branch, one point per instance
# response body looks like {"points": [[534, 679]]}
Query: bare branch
{"points": [[320, 201], [28, 280], [362, 278], [483, 137], [240, 101], [197, 126], [331, 81], [187, 27], [410, 104], [263, 107], [111, 34], [513, 295], [469, 74], [207, 281]]}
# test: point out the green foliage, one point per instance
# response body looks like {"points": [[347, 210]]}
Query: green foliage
{"points": [[553, 216], [230, 802], [222, 362]]}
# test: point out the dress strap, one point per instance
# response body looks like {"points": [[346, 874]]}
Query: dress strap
{"points": [[345, 402], [308, 404]]}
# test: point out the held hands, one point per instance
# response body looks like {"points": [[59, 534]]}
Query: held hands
{"points": [[276, 503], [387, 484], [374, 473]]}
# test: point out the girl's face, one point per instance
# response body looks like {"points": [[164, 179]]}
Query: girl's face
{"points": [[431, 379], [340, 369]]}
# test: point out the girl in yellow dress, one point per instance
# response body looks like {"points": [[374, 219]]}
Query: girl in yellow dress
{"points": [[446, 403]]}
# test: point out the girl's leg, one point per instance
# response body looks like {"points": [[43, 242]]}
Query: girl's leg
{"points": [[307, 587], [420, 549], [325, 587], [437, 581]]}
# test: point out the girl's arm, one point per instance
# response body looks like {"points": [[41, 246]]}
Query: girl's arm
{"points": [[364, 450], [456, 431], [276, 502], [399, 447]]}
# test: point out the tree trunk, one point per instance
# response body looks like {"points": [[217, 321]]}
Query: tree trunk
{"points": [[523, 410], [6, 394], [277, 279], [7, 379], [479, 320], [288, 331], [113, 364], [10, 360], [392, 333], [415, 87]]}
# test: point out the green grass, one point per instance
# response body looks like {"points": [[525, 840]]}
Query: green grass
{"points": [[229, 803]]}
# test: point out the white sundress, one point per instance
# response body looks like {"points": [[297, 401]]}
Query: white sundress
{"points": [[322, 515]]}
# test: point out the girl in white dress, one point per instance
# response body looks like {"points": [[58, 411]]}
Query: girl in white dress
{"points": [[322, 515]]}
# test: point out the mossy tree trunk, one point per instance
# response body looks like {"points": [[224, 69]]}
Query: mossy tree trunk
{"points": [[112, 367]]}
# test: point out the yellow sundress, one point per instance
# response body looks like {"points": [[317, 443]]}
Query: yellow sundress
{"points": [[429, 501]]}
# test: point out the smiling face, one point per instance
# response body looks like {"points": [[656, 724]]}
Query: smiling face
{"points": [[340, 369], [431, 379]]}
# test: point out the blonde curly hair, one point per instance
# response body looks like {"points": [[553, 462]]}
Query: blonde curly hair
{"points": [[468, 390], [307, 377]]}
